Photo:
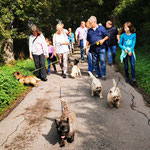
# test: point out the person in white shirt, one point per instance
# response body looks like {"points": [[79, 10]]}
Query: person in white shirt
{"points": [[60, 43], [38, 50], [81, 32]]}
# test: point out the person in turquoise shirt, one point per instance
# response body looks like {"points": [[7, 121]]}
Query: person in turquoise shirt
{"points": [[127, 44]]}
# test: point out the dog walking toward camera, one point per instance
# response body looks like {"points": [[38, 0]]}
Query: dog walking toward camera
{"points": [[96, 85], [114, 96], [31, 79], [66, 125], [75, 69]]}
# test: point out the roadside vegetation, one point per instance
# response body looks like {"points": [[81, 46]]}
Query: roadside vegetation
{"points": [[10, 88], [142, 67]]}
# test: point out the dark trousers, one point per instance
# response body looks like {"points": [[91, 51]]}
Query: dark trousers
{"points": [[132, 62], [39, 61]]}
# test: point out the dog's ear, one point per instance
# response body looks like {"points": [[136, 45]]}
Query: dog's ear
{"points": [[67, 120], [57, 122], [114, 83]]}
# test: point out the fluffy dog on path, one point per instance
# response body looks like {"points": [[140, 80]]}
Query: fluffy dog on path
{"points": [[96, 85], [75, 69], [66, 125], [26, 79], [114, 96]]}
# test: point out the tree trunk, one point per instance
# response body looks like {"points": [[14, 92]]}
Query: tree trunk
{"points": [[7, 51]]}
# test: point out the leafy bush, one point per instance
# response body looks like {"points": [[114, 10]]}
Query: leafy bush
{"points": [[10, 88]]}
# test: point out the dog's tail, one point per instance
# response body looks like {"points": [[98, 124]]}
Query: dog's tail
{"points": [[114, 83], [91, 75]]}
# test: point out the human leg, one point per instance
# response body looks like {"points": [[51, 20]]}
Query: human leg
{"points": [[114, 50], [95, 57], [82, 50], [89, 58], [125, 60], [109, 55], [49, 67], [37, 64], [42, 67], [132, 63], [102, 55]]}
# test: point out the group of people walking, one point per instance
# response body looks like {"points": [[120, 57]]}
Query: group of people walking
{"points": [[94, 40]]}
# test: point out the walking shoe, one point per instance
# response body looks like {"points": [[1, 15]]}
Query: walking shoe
{"points": [[44, 79], [133, 81], [49, 73], [64, 75], [110, 64], [103, 78], [127, 80], [97, 76]]}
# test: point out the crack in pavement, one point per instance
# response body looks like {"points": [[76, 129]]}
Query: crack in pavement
{"points": [[133, 106], [12, 132]]}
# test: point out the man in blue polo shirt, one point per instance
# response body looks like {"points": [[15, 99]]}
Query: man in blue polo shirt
{"points": [[96, 37]]}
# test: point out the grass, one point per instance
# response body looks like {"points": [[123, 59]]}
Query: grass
{"points": [[142, 67], [10, 88]]}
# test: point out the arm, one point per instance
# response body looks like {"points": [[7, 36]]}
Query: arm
{"points": [[45, 47], [121, 43], [134, 41], [105, 35], [30, 48]]}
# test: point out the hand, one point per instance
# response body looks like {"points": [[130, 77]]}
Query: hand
{"points": [[126, 51], [31, 57], [101, 42], [130, 54], [86, 52], [54, 53], [46, 56]]}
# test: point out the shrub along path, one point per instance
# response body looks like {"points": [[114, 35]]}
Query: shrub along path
{"points": [[31, 124]]}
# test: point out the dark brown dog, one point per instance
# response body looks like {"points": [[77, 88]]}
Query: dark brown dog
{"points": [[66, 126], [26, 79]]}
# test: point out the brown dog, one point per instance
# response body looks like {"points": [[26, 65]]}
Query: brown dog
{"points": [[26, 79], [66, 125]]}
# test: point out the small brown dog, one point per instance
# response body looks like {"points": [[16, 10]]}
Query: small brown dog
{"points": [[66, 126], [114, 96], [26, 79]]}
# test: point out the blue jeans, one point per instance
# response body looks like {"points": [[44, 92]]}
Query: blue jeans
{"points": [[82, 50], [132, 62], [111, 54], [49, 66], [90, 64], [100, 71]]}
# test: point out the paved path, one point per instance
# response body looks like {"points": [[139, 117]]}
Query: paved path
{"points": [[30, 126]]}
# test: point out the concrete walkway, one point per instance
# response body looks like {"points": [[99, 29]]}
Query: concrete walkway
{"points": [[30, 126]]}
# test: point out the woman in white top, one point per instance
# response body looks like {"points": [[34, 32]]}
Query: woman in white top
{"points": [[38, 51], [61, 42]]}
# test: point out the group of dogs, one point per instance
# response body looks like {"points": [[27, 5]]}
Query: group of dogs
{"points": [[66, 124]]}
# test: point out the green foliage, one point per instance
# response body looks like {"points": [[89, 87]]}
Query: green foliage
{"points": [[137, 12], [142, 65], [10, 88]]}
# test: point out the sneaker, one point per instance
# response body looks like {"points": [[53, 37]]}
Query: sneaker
{"points": [[97, 76], [44, 79], [55, 71], [133, 81], [82, 61], [110, 64], [64, 75], [49, 73], [62, 72], [103, 78], [127, 80]]}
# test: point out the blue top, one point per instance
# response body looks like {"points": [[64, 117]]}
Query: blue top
{"points": [[71, 39], [94, 36], [127, 42]]}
